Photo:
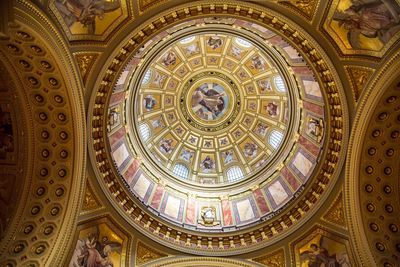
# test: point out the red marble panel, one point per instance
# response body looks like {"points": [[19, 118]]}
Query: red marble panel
{"points": [[115, 137], [313, 108], [290, 178], [314, 149], [277, 40], [191, 211], [155, 202], [131, 171], [227, 213], [302, 71], [117, 98], [261, 202]]}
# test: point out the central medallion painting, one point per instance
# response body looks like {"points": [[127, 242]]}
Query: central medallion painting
{"points": [[209, 101]]}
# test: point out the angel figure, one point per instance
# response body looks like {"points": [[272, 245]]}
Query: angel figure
{"points": [[370, 18], [85, 11], [90, 252], [318, 256], [214, 42]]}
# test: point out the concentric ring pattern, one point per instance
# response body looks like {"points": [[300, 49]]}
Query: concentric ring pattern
{"points": [[220, 132], [212, 108]]}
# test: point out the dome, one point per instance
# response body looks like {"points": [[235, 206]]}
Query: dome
{"points": [[224, 123], [210, 103]]}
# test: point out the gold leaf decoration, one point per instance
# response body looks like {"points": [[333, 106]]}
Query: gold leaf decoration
{"points": [[90, 201], [85, 62], [274, 259], [335, 214], [144, 5], [304, 7], [145, 254], [358, 77]]}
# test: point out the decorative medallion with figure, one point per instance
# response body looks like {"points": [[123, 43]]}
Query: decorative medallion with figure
{"points": [[209, 101]]}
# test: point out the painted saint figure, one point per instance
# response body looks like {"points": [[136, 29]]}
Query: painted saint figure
{"points": [[166, 145], [214, 42], [227, 156], [169, 59], [149, 102], [370, 18], [91, 252], [271, 109], [250, 150], [187, 155], [261, 129], [85, 11], [209, 101], [208, 164], [257, 63], [265, 86]]}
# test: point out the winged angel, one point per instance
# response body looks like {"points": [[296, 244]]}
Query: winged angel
{"points": [[92, 252], [85, 11], [370, 18], [318, 256]]}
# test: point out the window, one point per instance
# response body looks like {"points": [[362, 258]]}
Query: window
{"points": [[275, 138], [146, 77], [144, 131], [181, 171], [243, 43], [280, 85], [187, 40], [234, 174]]}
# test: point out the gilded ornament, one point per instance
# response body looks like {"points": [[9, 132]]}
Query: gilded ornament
{"points": [[275, 259], [305, 7], [335, 214], [145, 253], [85, 63], [358, 77], [89, 202]]}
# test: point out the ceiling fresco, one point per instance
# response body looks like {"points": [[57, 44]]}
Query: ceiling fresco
{"points": [[220, 133], [166, 144], [89, 20], [368, 25], [221, 108], [216, 109]]}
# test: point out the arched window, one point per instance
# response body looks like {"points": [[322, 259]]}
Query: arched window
{"points": [[243, 42], [234, 174], [280, 85], [187, 40], [275, 138], [181, 171], [144, 131], [146, 77]]}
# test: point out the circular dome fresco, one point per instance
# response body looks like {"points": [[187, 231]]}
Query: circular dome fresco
{"points": [[212, 108], [215, 113], [217, 128]]}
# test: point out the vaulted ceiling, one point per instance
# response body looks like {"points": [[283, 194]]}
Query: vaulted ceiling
{"points": [[208, 133]]}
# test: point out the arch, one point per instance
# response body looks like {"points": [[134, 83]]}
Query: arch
{"points": [[280, 84], [234, 174], [65, 172], [275, 138], [181, 171]]}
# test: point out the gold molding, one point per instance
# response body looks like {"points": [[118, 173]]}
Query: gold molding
{"points": [[335, 213], [274, 259], [327, 174], [85, 63], [358, 77], [144, 253], [90, 200]]}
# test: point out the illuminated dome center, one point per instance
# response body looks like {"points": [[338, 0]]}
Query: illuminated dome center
{"points": [[212, 108]]}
